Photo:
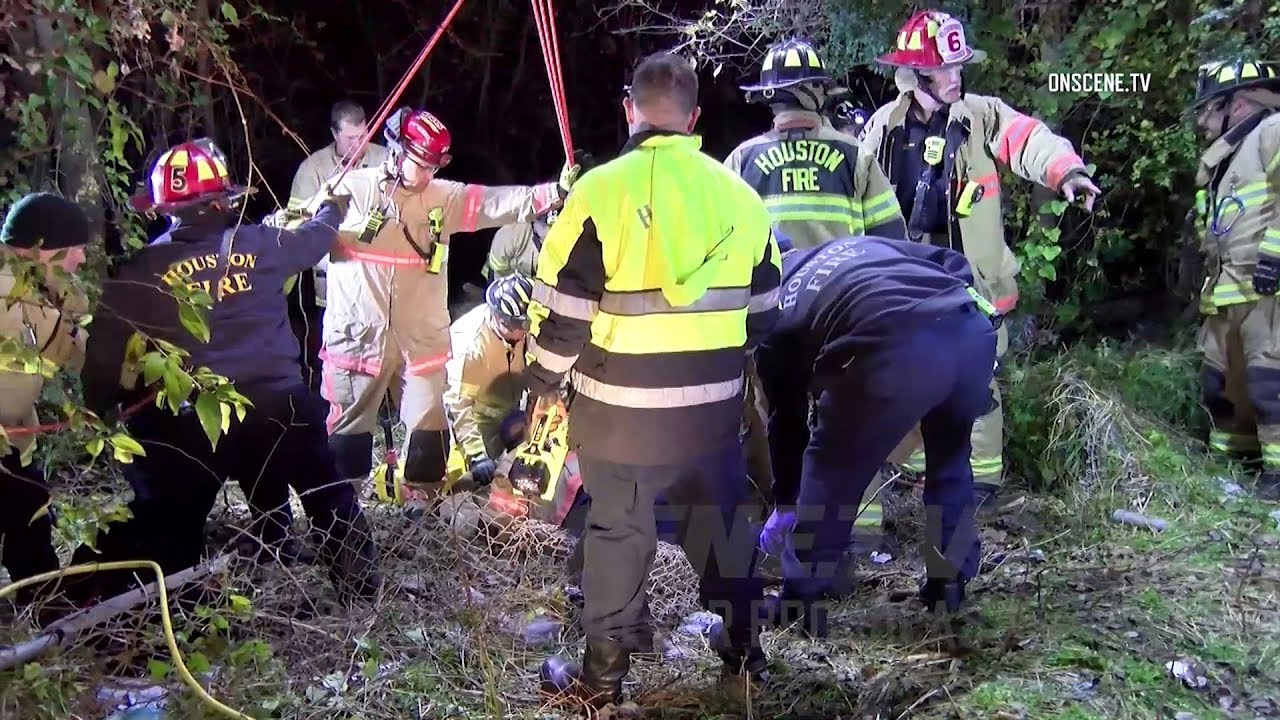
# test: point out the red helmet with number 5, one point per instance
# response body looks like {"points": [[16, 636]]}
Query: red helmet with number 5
{"points": [[930, 40], [186, 175], [421, 136]]}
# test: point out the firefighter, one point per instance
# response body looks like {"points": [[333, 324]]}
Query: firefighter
{"points": [[514, 251], [941, 148], [850, 120], [656, 366], [893, 326], [486, 379], [818, 186], [347, 125], [42, 243], [815, 181], [1236, 107], [280, 440], [387, 329]]}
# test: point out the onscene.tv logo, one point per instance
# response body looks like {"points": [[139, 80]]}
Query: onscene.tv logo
{"points": [[1099, 82]]}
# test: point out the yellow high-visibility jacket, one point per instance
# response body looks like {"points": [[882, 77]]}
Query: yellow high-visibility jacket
{"points": [[818, 185], [657, 271]]}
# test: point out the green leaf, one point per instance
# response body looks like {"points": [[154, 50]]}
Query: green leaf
{"points": [[1051, 251], [153, 367], [240, 604], [230, 13], [178, 385], [193, 320], [158, 669], [124, 448], [103, 82], [197, 663], [210, 414], [1048, 272], [94, 446]]}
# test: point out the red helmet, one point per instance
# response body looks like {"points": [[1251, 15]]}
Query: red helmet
{"points": [[186, 175], [931, 39], [420, 135]]}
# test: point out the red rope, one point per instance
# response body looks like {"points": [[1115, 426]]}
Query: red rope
{"points": [[54, 427], [545, 18], [385, 109]]}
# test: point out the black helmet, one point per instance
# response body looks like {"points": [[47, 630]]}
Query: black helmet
{"points": [[1221, 78], [851, 119], [787, 64]]}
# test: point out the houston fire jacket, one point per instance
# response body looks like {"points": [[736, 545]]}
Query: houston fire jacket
{"points": [[816, 182], [1241, 172], [388, 277], [31, 318], [485, 383], [658, 269], [980, 133], [242, 269]]}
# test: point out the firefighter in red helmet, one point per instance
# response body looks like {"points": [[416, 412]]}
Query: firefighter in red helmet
{"points": [[941, 148], [280, 440], [386, 329]]}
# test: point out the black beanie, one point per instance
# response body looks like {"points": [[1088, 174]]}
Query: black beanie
{"points": [[46, 217]]}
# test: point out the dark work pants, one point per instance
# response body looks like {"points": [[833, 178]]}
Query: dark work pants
{"points": [[281, 442], [26, 545], [307, 322], [706, 512], [935, 373]]}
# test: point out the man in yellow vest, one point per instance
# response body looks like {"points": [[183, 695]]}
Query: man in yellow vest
{"points": [[1237, 107], [941, 148], [655, 277]]}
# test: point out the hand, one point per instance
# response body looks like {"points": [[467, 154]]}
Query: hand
{"points": [[543, 405], [482, 469], [1266, 276], [1079, 184], [777, 530], [568, 176]]}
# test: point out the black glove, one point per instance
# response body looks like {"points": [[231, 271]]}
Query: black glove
{"points": [[1266, 277], [482, 469]]}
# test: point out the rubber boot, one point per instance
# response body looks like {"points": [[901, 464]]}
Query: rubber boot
{"points": [[1269, 486], [598, 681], [940, 590], [352, 559]]}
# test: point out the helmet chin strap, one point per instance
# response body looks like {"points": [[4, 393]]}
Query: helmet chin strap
{"points": [[922, 82], [806, 96]]}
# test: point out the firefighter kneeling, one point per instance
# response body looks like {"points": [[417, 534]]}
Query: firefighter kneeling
{"points": [[281, 440], [882, 334]]}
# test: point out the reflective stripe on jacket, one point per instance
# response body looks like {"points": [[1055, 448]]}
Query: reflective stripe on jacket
{"points": [[388, 297], [995, 134], [30, 320], [816, 182], [654, 277], [1242, 173], [485, 382], [513, 251]]}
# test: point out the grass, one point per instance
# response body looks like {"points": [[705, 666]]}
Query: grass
{"points": [[1074, 616]]}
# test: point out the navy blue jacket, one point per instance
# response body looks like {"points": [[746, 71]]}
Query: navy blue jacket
{"points": [[250, 339], [840, 300]]}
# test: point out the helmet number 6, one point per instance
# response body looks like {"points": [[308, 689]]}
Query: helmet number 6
{"points": [[955, 41]]}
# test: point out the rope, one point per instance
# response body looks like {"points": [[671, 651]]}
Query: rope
{"points": [[545, 18], [385, 109], [166, 620], [54, 427]]}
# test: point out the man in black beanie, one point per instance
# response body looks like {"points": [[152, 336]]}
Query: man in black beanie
{"points": [[42, 244]]}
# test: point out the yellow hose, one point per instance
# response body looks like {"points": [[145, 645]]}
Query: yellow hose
{"points": [[165, 618]]}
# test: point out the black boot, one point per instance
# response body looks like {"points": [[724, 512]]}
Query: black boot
{"points": [[352, 557], [744, 659], [598, 681], [1269, 485], [942, 590], [986, 498]]}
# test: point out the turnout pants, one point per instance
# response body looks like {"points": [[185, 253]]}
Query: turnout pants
{"points": [[936, 373], [26, 541], [1240, 380], [354, 399], [280, 443], [705, 512]]}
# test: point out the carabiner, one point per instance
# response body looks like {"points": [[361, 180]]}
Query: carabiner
{"points": [[1230, 200]]}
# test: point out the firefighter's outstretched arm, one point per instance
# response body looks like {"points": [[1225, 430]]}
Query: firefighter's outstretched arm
{"points": [[566, 296], [460, 400], [480, 207], [1032, 151]]}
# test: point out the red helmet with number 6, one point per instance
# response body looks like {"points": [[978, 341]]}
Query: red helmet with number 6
{"points": [[931, 39], [419, 135], [186, 175]]}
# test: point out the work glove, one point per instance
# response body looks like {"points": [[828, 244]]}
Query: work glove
{"points": [[482, 469], [568, 176], [327, 196], [1266, 276], [514, 429], [777, 531]]}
